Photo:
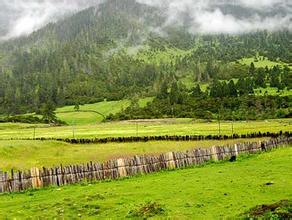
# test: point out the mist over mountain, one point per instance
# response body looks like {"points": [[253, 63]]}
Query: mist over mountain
{"points": [[69, 52], [222, 16], [22, 17]]}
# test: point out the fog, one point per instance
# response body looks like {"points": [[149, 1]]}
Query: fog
{"points": [[223, 16], [22, 17]]}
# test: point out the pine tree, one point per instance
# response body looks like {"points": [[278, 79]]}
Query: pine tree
{"points": [[163, 91], [48, 112], [232, 89], [252, 69], [197, 92], [260, 78]]}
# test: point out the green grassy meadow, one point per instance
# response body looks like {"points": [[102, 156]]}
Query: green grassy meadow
{"points": [[142, 128], [272, 91], [94, 113], [261, 62], [53, 153], [213, 191]]}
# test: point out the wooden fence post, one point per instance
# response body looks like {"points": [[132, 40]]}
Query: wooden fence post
{"points": [[121, 168], [170, 164], [214, 153], [35, 178]]}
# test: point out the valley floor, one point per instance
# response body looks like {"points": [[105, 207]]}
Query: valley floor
{"points": [[212, 191], [143, 128]]}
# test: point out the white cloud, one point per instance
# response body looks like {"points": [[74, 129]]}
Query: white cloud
{"points": [[261, 3], [27, 16], [207, 17], [22, 17], [217, 22]]}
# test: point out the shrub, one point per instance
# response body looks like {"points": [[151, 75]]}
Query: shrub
{"points": [[147, 210]]}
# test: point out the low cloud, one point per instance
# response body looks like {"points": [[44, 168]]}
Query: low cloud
{"points": [[22, 17], [223, 16]]}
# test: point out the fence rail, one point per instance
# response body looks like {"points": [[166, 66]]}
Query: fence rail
{"points": [[113, 169]]}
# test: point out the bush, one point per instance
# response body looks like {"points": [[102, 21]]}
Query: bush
{"points": [[279, 210], [29, 119], [147, 210]]}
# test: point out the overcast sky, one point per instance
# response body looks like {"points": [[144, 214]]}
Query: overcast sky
{"points": [[21, 17]]}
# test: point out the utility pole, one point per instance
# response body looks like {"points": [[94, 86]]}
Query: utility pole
{"points": [[137, 129], [73, 129], [219, 122], [232, 128], [34, 132]]}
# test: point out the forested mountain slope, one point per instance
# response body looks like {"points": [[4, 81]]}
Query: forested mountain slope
{"points": [[105, 52]]}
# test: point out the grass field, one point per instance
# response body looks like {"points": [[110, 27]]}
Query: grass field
{"points": [[262, 62], [142, 128], [214, 191], [52, 153], [273, 91], [93, 113]]}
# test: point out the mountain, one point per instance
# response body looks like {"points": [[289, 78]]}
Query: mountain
{"points": [[122, 49]]}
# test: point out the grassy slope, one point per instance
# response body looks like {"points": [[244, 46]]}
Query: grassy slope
{"points": [[51, 153], [169, 55], [210, 192], [70, 116], [262, 62], [273, 91], [145, 128]]}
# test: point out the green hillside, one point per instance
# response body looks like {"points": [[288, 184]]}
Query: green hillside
{"points": [[94, 113]]}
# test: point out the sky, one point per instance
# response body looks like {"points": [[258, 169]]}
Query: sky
{"points": [[22, 17]]}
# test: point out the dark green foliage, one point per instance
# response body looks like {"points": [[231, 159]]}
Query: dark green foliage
{"points": [[245, 85], [147, 210], [277, 211], [286, 78], [29, 119], [48, 112], [275, 77], [252, 69], [22, 119], [232, 90], [260, 78], [247, 107], [197, 92], [223, 89]]}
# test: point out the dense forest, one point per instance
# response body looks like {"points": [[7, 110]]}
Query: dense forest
{"points": [[107, 53]]}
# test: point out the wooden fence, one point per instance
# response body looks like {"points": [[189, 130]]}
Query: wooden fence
{"points": [[113, 169]]}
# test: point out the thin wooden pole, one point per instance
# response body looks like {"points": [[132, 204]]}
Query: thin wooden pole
{"points": [[73, 129], [219, 123]]}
